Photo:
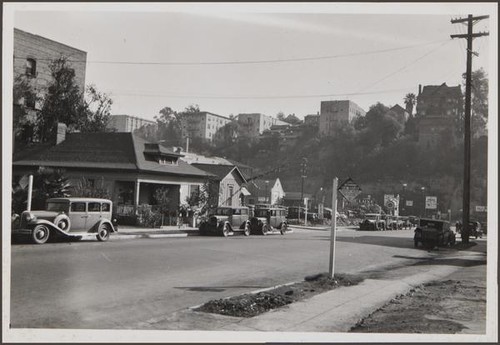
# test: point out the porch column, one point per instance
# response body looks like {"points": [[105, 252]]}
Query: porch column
{"points": [[137, 187]]}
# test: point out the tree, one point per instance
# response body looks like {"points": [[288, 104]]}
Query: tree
{"points": [[479, 100], [292, 119], [280, 116], [97, 109], [410, 101], [24, 99], [63, 102]]}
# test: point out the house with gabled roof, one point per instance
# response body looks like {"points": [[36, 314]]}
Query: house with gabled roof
{"points": [[265, 191], [130, 168], [231, 183]]}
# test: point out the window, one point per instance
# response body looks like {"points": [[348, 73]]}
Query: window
{"points": [[31, 67], [106, 207], [94, 207], [78, 207]]}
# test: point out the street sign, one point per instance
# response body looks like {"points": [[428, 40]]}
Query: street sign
{"points": [[480, 208], [390, 204], [431, 202], [409, 202], [388, 197], [349, 190]]}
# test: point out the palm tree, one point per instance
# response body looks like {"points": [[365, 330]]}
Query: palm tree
{"points": [[410, 100]]}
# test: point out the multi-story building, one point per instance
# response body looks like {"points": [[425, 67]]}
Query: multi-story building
{"points": [[202, 125], [33, 55], [128, 123], [254, 124], [334, 113], [312, 120], [438, 108]]}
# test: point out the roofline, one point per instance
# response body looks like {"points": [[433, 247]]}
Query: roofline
{"points": [[48, 39]]}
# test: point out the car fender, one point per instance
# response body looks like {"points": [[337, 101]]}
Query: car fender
{"points": [[100, 222], [63, 216], [51, 225]]}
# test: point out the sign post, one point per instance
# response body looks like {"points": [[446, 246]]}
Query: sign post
{"points": [[30, 192], [306, 201], [334, 226]]}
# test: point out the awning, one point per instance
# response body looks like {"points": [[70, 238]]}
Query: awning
{"points": [[245, 191]]}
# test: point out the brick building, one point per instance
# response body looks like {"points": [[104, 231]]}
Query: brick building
{"points": [[33, 55], [438, 108], [202, 125], [254, 124], [335, 112], [128, 123]]}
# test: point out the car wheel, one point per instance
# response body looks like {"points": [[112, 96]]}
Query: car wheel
{"points": [[103, 232], [225, 230], [284, 228], [63, 224], [265, 229], [247, 229], [40, 234]]}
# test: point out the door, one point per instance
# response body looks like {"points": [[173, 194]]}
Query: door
{"points": [[93, 214], [78, 216]]}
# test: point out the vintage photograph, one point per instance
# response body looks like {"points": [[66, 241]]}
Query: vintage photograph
{"points": [[279, 172]]}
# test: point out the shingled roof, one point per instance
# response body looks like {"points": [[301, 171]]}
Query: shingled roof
{"points": [[441, 90], [219, 170], [123, 151]]}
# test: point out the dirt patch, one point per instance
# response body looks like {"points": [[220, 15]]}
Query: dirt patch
{"points": [[441, 307], [249, 305]]}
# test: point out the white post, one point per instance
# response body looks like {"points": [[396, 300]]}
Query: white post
{"points": [[187, 145], [334, 226], [30, 192], [305, 216]]}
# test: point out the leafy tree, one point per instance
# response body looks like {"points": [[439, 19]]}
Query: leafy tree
{"points": [[280, 116], [410, 101], [479, 100], [85, 188], [97, 109], [292, 119], [24, 97], [63, 101]]}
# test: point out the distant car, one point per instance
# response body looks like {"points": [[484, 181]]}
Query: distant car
{"points": [[67, 217], [268, 219], [433, 232], [475, 229], [226, 221], [372, 221]]}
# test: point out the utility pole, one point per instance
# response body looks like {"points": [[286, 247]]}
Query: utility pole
{"points": [[303, 176], [470, 21]]}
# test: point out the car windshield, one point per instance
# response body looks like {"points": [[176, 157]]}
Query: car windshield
{"points": [[431, 224], [58, 206], [261, 213], [223, 211], [372, 216]]}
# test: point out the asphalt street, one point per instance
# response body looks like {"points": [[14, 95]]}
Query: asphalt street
{"points": [[122, 284]]}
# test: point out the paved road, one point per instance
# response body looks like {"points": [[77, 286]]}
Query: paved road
{"points": [[125, 283]]}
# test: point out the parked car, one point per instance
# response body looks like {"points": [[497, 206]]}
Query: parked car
{"points": [[226, 221], [67, 217], [372, 221], [475, 229], [268, 219], [433, 232]]}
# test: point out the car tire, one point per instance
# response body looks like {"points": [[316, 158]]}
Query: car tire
{"points": [[225, 230], [63, 224], [284, 228], [40, 234], [247, 229], [103, 232], [265, 229]]}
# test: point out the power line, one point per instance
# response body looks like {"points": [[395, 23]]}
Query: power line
{"points": [[246, 62], [261, 97]]}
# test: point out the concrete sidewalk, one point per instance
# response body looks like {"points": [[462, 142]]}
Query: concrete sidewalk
{"points": [[335, 311]]}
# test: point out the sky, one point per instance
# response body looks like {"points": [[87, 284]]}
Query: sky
{"points": [[231, 59]]}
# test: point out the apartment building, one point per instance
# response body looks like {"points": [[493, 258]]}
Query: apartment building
{"points": [[202, 125], [254, 124], [335, 112], [128, 123], [33, 55]]}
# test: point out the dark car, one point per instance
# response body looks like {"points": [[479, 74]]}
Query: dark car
{"points": [[66, 217], [226, 221], [475, 228], [372, 221], [268, 219], [433, 232]]}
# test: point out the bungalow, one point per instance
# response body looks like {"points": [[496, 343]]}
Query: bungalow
{"points": [[127, 166], [232, 190], [266, 191]]}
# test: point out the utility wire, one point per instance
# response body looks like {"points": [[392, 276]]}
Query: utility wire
{"points": [[246, 62]]}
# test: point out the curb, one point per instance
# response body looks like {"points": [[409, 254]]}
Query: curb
{"points": [[137, 236]]}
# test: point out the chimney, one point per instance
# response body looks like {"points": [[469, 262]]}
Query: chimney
{"points": [[419, 89], [61, 132]]}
